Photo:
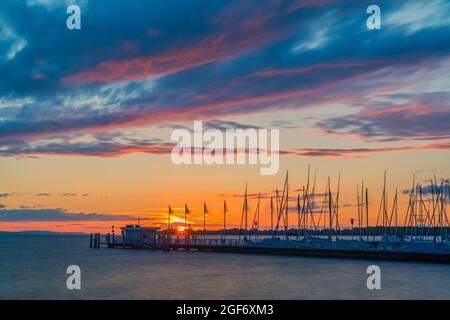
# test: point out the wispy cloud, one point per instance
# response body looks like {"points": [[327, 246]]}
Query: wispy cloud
{"points": [[32, 215], [360, 152], [10, 39], [216, 61], [440, 186], [416, 120], [101, 145], [319, 34], [420, 15]]}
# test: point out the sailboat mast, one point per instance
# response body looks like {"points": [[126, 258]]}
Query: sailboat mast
{"points": [[287, 204], [396, 210], [337, 206], [367, 213], [277, 200], [306, 202], [168, 219], [224, 219], [330, 210], [259, 210], [384, 220], [204, 220], [298, 216], [359, 212], [278, 210], [246, 210], [241, 227], [271, 213]]}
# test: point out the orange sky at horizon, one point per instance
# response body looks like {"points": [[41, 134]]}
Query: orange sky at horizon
{"points": [[213, 186], [87, 117]]}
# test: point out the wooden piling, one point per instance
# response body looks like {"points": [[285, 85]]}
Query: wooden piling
{"points": [[108, 239], [113, 235]]}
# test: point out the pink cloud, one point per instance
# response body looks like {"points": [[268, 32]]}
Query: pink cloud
{"points": [[361, 152]]}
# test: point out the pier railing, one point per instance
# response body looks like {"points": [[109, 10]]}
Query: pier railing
{"points": [[205, 242], [166, 242]]}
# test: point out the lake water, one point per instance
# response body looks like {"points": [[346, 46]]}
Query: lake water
{"points": [[34, 267]]}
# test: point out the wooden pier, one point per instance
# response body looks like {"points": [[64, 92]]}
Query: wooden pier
{"points": [[244, 247], [423, 237]]}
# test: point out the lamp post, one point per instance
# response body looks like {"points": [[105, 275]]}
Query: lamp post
{"points": [[352, 221]]}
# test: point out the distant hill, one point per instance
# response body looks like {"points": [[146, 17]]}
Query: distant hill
{"points": [[41, 233]]}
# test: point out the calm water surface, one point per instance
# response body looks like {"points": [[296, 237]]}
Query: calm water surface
{"points": [[34, 267]]}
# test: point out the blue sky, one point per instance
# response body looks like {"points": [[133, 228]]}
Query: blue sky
{"points": [[137, 69], [137, 63]]}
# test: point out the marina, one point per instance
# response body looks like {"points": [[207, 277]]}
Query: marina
{"points": [[423, 236]]}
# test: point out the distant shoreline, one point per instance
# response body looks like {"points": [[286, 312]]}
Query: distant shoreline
{"points": [[356, 232], [41, 233]]}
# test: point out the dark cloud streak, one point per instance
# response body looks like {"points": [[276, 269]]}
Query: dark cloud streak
{"points": [[47, 215]]}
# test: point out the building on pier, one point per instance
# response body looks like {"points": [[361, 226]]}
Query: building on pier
{"points": [[134, 235]]}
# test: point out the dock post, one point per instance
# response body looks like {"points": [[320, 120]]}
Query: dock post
{"points": [[98, 242], [113, 235], [90, 240], [108, 240]]}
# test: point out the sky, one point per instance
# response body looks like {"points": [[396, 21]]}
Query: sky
{"points": [[86, 115]]}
